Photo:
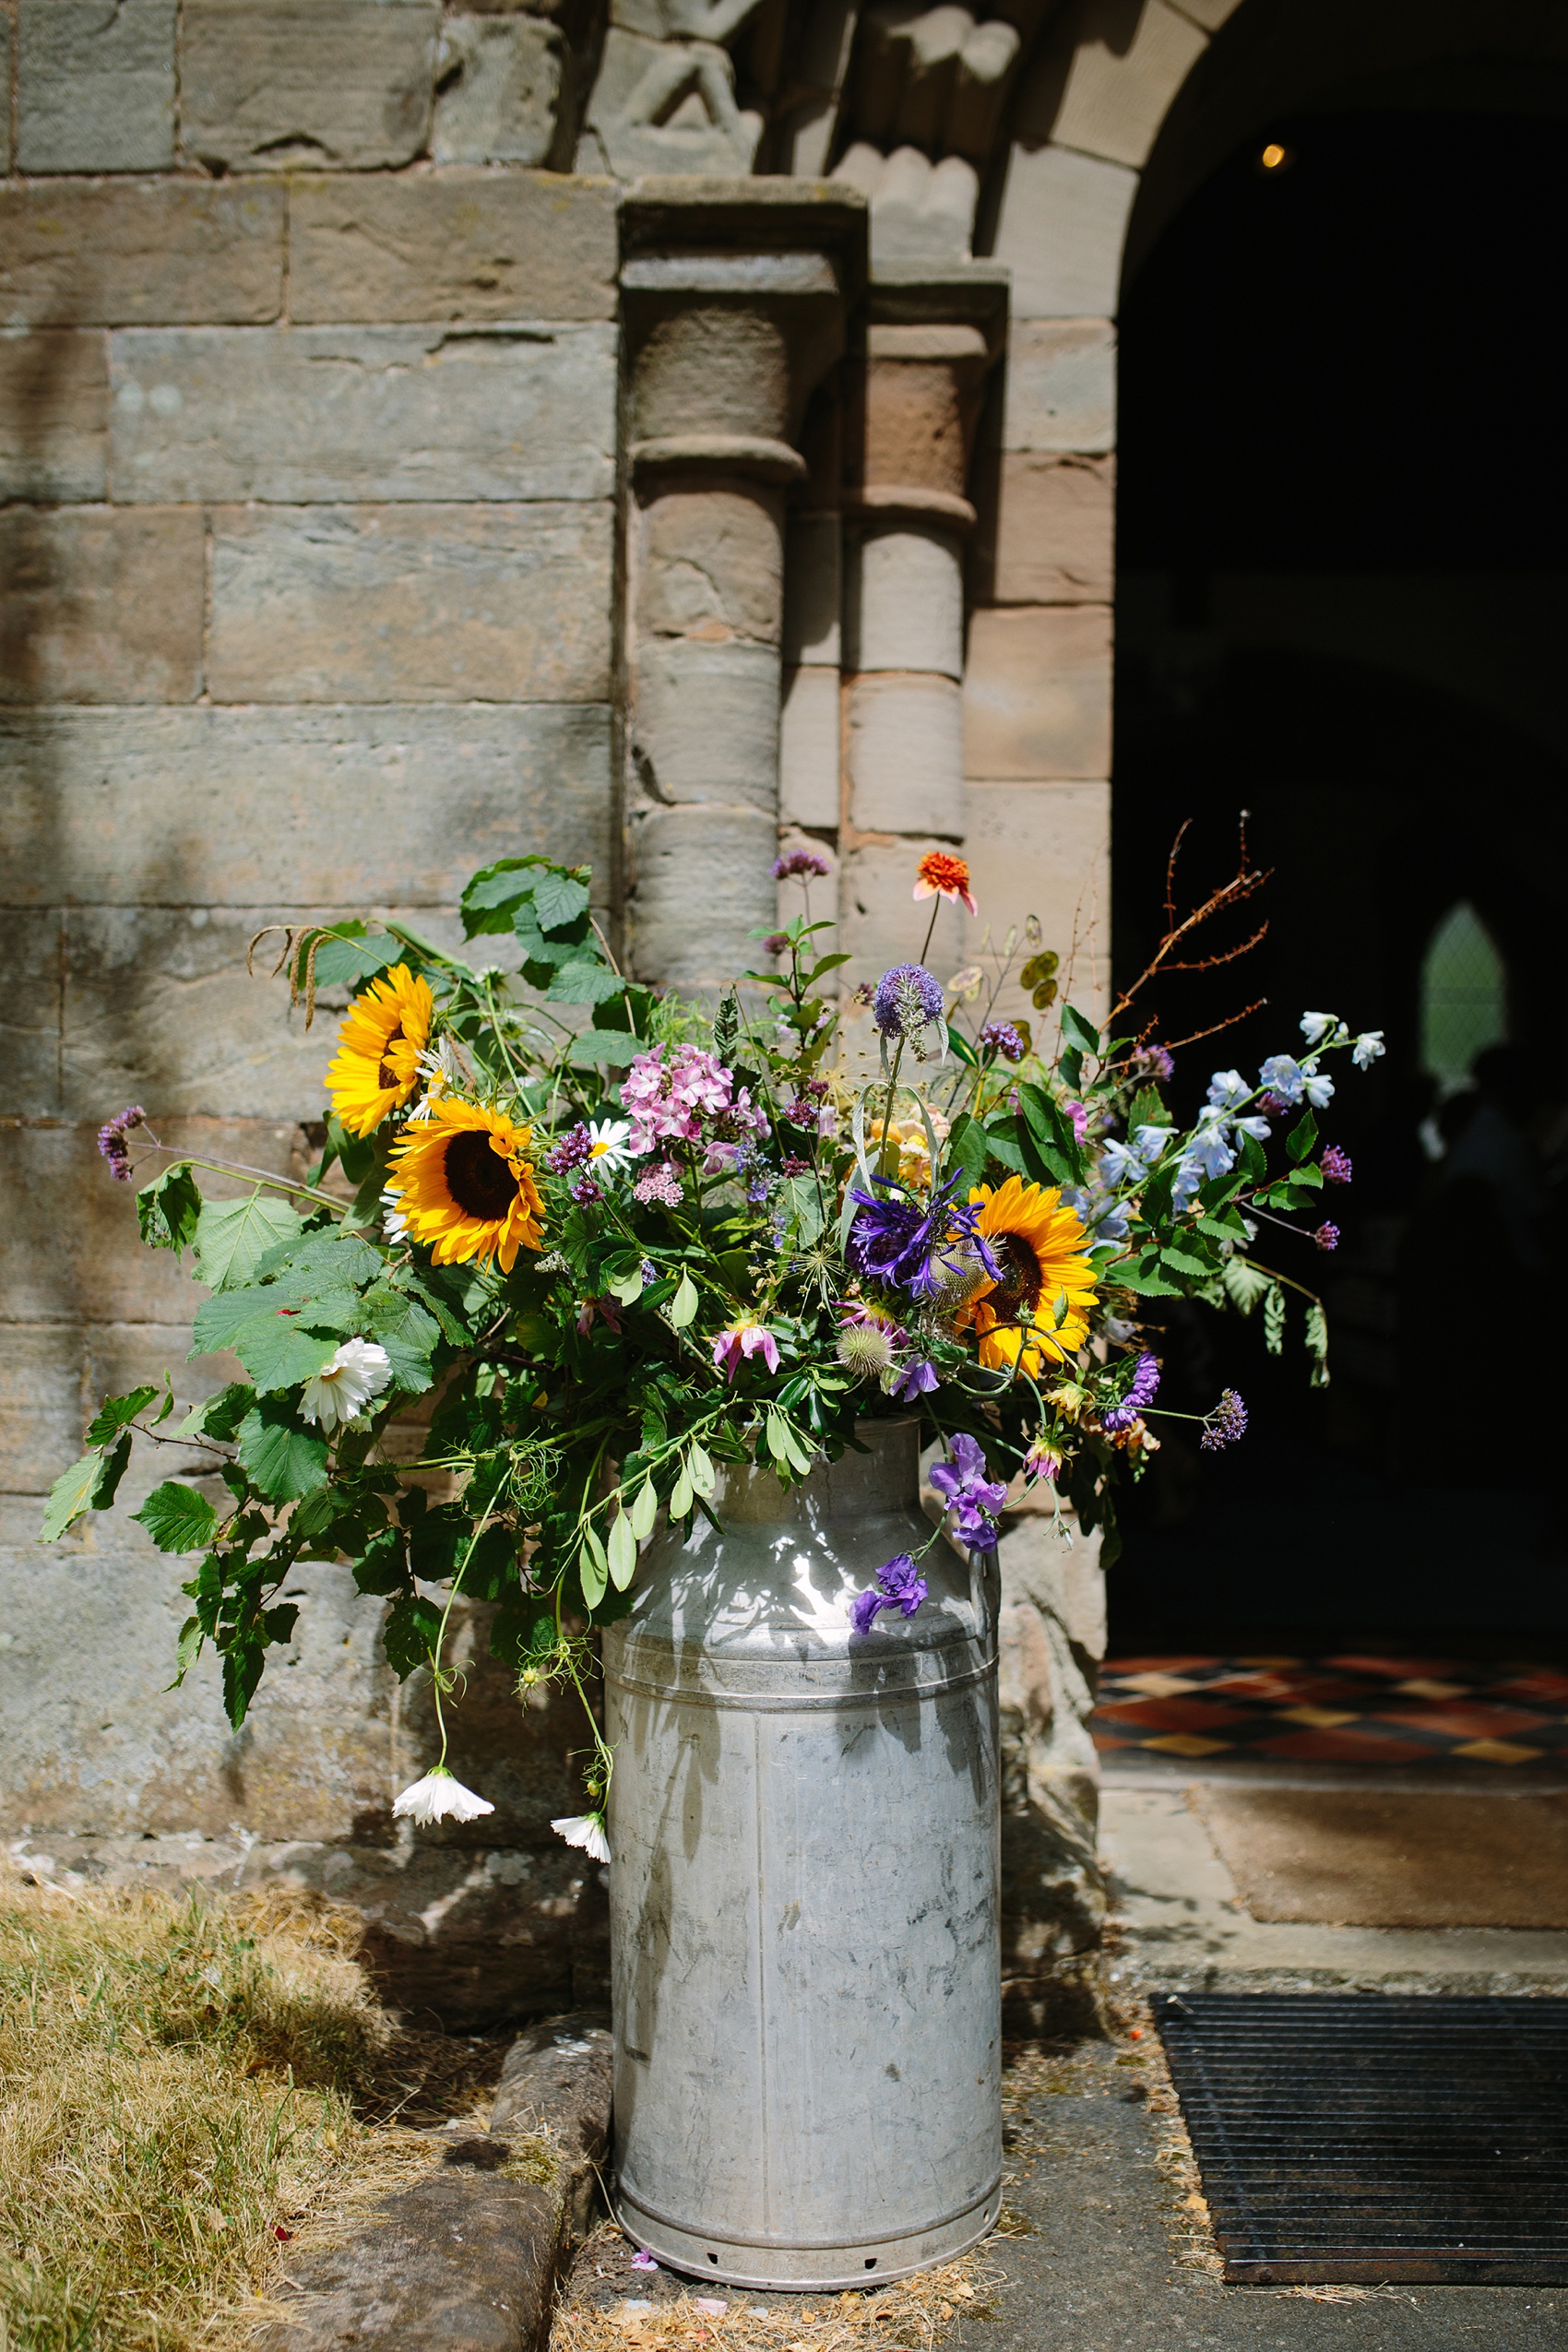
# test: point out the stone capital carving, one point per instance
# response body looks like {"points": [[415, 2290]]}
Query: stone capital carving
{"points": [[930, 343]]}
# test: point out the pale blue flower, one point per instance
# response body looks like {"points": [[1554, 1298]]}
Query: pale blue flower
{"points": [[1209, 1151], [1369, 1048], [1318, 1089], [1189, 1177], [1257, 1127], [1228, 1089], [1111, 1225], [1281, 1074], [1119, 1164], [1316, 1027], [1149, 1142]]}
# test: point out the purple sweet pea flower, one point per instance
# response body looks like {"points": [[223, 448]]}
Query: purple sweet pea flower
{"points": [[963, 1485], [919, 1381], [900, 1585], [1146, 1380]]}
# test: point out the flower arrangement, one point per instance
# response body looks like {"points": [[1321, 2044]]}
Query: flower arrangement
{"points": [[598, 1239]]}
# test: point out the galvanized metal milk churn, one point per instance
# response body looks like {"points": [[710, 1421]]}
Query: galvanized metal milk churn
{"points": [[804, 1824]]}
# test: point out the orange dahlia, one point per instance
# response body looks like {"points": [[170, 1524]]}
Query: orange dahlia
{"points": [[942, 876]]}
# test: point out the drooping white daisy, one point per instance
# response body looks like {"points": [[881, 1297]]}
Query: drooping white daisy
{"points": [[440, 1795], [585, 1829], [343, 1387], [608, 1140], [393, 1224]]}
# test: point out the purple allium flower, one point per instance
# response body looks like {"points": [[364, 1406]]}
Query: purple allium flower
{"points": [[1146, 1380], [898, 1584], [1327, 1236], [1225, 1424], [1336, 1165], [1152, 1061], [112, 1141], [1004, 1038], [919, 1381], [661, 1183], [897, 1243], [801, 866], [571, 1151], [907, 1000], [964, 1487]]}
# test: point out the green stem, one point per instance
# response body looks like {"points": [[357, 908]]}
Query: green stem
{"points": [[262, 1175], [435, 1669]]}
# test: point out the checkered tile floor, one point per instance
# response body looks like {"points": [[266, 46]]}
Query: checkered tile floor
{"points": [[1351, 1709]]}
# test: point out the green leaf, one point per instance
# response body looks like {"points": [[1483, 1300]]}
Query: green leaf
{"points": [[627, 1286], [681, 1494], [1254, 1163], [616, 1047], [328, 1258], [494, 891], [1147, 1109], [1244, 1283], [683, 1305], [621, 1550], [409, 1333], [115, 1413], [559, 898], [1005, 1140], [593, 1569], [111, 1472], [644, 1511], [242, 1663], [1147, 1280], [1274, 1319], [700, 1470], [284, 1460], [382, 1566], [168, 1208], [1078, 1031], [232, 1237], [187, 1649], [279, 1352], [584, 983], [70, 1495], [1301, 1138], [1177, 1261], [343, 962], [410, 1633], [177, 1518], [1317, 1343], [967, 1147]]}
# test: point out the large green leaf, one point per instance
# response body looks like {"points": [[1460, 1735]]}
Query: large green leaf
{"points": [[559, 898], [117, 1413], [70, 1495], [407, 1332], [613, 1046], [328, 1257], [584, 983], [232, 1237], [177, 1518], [494, 891], [279, 1352], [284, 1460], [168, 1208], [409, 1633], [344, 962]]}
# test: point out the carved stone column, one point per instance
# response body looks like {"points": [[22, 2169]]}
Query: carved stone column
{"points": [[735, 295], [930, 343]]}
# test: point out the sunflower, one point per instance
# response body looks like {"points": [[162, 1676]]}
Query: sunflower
{"points": [[465, 1184], [377, 1067], [1038, 1244]]}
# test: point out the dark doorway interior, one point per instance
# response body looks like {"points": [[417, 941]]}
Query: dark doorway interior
{"points": [[1343, 606]]}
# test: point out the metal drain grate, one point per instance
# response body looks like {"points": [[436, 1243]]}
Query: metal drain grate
{"points": [[1364, 2137]]}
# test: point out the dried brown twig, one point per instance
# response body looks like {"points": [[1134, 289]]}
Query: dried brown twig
{"points": [[1166, 957]]}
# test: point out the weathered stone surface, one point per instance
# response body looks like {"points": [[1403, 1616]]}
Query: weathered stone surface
{"points": [[905, 606], [1037, 693], [498, 88], [710, 563], [814, 592], [1044, 850], [99, 604], [716, 859], [139, 253], [95, 85], [874, 908], [467, 2259], [1053, 535], [1060, 386], [54, 415], [32, 985], [920, 211], [662, 108], [452, 245], [428, 603], [809, 749], [40, 1395], [1105, 84], [556, 2082], [6, 45], [1063, 222], [905, 755], [267, 84], [706, 722], [391, 806], [394, 412]]}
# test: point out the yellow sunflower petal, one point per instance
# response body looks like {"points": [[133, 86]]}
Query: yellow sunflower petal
{"points": [[377, 1069], [1040, 1244], [465, 1185]]}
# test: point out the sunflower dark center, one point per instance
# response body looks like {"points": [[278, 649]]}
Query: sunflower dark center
{"points": [[1023, 1279], [386, 1074], [478, 1179]]}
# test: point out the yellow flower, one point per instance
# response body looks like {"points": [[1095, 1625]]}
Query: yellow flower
{"points": [[464, 1182], [914, 1154], [1038, 1244], [377, 1067]]}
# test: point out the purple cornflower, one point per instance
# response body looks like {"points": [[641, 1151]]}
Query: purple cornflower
{"points": [[1145, 1380], [1004, 1038], [898, 1244], [112, 1141], [801, 866], [907, 1000], [1152, 1061], [1327, 1236], [898, 1584], [919, 1381], [1225, 1424], [661, 1183], [570, 1152], [1336, 1165], [964, 1487]]}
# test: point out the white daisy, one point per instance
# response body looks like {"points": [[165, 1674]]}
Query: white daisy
{"points": [[609, 1139], [343, 1387], [440, 1795], [393, 1224], [585, 1829], [444, 1070]]}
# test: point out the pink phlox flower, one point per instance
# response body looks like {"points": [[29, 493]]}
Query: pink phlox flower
{"points": [[744, 1338], [1078, 1113], [668, 1101]]}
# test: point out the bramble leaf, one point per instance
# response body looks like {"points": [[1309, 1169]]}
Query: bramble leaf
{"points": [[559, 898]]}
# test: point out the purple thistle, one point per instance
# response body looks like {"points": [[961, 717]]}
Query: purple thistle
{"points": [[1004, 1038], [898, 1244], [570, 1152], [1336, 1165], [1327, 1236], [907, 1000], [900, 1585], [1145, 1380], [801, 866], [112, 1141], [1225, 1424], [964, 1487]]}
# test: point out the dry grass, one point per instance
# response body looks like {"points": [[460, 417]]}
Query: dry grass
{"points": [[182, 2092]]}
